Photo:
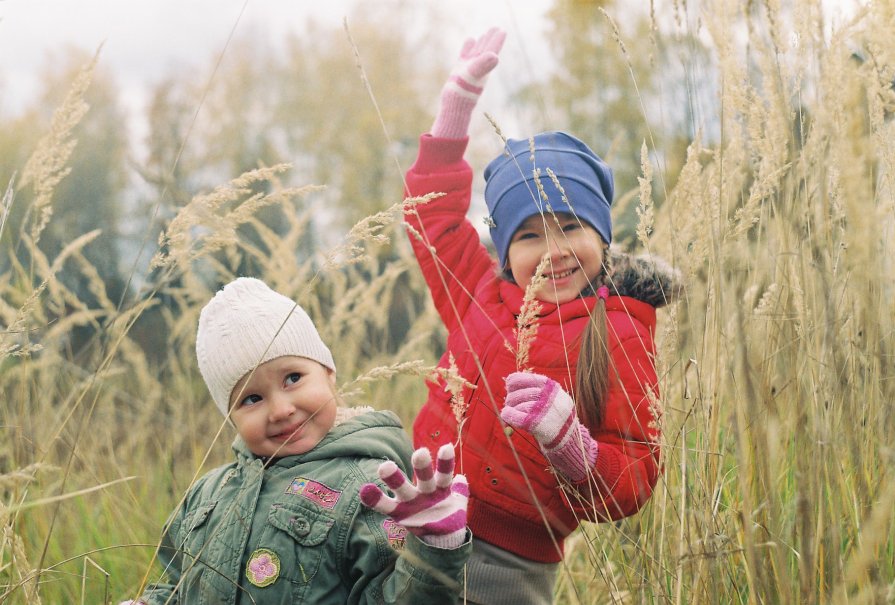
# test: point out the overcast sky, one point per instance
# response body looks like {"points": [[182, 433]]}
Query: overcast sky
{"points": [[143, 39]]}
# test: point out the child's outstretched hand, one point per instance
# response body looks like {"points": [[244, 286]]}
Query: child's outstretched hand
{"points": [[540, 406], [466, 83], [435, 508]]}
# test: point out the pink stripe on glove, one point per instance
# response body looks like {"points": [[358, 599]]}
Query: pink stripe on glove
{"points": [[467, 81], [435, 508], [540, 406]]}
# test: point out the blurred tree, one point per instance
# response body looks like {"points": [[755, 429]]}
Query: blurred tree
{"points": [[168, 162], [592, 91], [304, 101], [18, 137], [332, 126], [89, 196], [301, 100], [336, 133]]}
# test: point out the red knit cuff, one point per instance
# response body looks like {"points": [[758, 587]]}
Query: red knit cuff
{"points": [[440, 155]]}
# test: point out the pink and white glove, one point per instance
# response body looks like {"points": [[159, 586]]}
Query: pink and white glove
{"points": [[466, 83], [434, 509], [540, 406]]}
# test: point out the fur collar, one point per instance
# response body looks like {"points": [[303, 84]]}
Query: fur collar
{"points": [[646, 278]]}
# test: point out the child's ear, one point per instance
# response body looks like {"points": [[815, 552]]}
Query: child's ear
{"points": [[332, 376]]}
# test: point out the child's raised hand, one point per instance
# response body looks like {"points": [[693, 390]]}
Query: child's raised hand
{"points": [[435, 508], [466, 83], [540, 406]]}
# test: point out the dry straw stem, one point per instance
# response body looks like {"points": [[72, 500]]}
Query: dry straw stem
{"points": [[527, 321], [454, 383], [23, 476], [6, 202], [59, 294], [276, 257], [497, 129], [562, 192], [645, 212], [369, 230], [416, 367], [17, 328], [53, 499], [48, 165], [209, 222], [410, 208], [18, 563], [361, 305]]}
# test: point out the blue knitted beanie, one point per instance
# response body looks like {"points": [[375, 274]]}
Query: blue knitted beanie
{"points": [[511, 192]]}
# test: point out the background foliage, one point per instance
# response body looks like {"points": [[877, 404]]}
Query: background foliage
{"points": [[753, 149]]}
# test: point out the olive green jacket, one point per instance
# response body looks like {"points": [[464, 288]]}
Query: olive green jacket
{"points": [[295, 531]]}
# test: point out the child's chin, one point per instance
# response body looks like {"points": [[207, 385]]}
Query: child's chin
{"points": [[556, 297]]}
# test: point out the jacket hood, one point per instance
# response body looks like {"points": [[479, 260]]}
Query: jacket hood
{"points": [[374, 434], [647, 278]]}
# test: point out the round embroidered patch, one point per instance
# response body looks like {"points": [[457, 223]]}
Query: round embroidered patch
{"points": [[263, 568]]}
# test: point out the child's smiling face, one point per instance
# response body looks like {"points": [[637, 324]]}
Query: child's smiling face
{"points": [[285, 407], [575, 250]]}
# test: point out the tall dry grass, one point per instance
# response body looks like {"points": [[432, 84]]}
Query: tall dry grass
{"points": [[776, 368], [98, 450]]}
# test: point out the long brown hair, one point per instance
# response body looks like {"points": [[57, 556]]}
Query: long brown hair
{"points": [[592, 374]]}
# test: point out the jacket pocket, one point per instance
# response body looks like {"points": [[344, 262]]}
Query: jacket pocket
{"points": [[194, 528], [303, 531]]}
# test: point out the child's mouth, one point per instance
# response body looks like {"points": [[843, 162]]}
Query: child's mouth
{"points": [[290, 434], [557, 276]]}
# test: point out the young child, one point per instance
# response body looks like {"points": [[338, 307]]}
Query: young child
{"points": [[284, 522], [575, 437]]}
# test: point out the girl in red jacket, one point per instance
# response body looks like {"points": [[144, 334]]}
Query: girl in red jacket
{"points": [[575, 435]]}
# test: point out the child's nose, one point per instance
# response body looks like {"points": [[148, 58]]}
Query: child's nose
{"points": [[281, 407], [557, 246]]}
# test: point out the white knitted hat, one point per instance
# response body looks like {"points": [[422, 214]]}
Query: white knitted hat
{"points": [[238, 330]]}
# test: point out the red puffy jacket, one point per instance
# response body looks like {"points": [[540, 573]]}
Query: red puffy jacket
{"points": [[516, 502]]}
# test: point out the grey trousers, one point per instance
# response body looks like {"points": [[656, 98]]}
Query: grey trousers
{"points": [[495, 576]]}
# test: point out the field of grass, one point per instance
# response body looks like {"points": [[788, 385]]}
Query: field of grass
{"points": [[777, 367]]}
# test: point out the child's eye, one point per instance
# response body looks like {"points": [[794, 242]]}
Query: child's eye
{"points": [[570, 227], [250, 400], [292, 378], [525, 235]]}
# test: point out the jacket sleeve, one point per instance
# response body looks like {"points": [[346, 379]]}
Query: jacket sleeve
{"points": [[170, 559], [416, 573], [627, 465], [170, 556], [451, 255]]}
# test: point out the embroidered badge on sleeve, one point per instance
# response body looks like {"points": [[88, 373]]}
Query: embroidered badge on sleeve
{"points": [[263, 567], [397, 534]]}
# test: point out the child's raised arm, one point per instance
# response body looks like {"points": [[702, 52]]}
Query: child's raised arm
{"points": [[459, 259]]}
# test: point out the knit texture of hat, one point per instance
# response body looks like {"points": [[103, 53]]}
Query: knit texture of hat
{"points": [[246, 324], [511, 192]]}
